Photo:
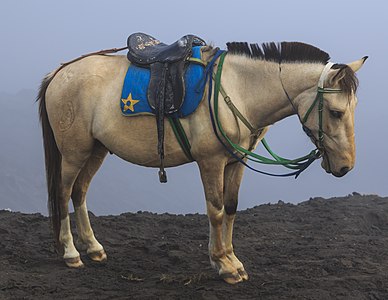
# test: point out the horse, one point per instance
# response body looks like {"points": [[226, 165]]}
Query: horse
{"points": [[81, 123]]}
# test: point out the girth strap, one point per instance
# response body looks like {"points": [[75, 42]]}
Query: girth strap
{"points": [[181, 136]]}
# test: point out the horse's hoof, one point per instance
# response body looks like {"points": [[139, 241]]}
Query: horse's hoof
{"points": [[243, 274], [98, 256], [74, 262], [231, 278]]}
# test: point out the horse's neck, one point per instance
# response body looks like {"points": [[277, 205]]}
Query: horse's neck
{"points": [[259, 89]]}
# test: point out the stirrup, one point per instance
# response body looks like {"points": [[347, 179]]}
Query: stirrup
{"points": [[162, 175]]}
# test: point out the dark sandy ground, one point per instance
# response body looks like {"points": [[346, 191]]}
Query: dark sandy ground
{"points": [[319, 249]]}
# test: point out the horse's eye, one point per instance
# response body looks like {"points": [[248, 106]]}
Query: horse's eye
{"points": [[336, 114]]}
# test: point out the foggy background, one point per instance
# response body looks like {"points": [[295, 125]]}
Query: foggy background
{"points": [[36, 36]]}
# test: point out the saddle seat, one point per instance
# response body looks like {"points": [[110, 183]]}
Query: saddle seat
{"points": [[166, 89], [145, 49]]}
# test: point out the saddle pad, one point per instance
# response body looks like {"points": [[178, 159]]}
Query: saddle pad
{"points": [[134, 94]]}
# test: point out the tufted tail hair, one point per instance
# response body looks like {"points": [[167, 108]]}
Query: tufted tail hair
{"points": [[53, 160]]}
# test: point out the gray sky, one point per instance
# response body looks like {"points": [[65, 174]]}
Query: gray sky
{"points": [[38, 35]]}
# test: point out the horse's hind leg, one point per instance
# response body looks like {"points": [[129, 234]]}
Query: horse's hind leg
{"points": [[70, 171], [86, 238], [232, 179]]}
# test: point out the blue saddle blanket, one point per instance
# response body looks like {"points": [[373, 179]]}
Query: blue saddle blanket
{"points": [[134, 94]]}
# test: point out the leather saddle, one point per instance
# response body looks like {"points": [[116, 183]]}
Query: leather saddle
{"points": [[166, 89]]}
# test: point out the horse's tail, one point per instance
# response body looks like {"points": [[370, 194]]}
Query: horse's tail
{"points": [[53, 160]]}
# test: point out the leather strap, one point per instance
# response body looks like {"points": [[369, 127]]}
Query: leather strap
{"points": [[181, 136], [324, 74], [238, 152]]}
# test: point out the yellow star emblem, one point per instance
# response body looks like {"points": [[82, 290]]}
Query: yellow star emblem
{"points": [[132, 103]]}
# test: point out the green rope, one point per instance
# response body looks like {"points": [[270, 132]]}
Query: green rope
{"points": [[181, 136], [277, 160]]}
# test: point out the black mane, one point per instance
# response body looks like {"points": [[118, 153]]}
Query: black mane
{"points": [[295, 52], [280, 52]]}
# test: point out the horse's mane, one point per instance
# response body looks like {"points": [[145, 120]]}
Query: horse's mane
{"points": [[294, 52], [280, 52]]}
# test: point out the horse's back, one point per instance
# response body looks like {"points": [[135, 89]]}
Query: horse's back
{"points": [[86, 77]]}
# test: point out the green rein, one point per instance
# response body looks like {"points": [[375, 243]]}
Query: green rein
{"points": [[295, 164]]}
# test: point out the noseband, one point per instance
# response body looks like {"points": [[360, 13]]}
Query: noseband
{"points": [[318, 101]]}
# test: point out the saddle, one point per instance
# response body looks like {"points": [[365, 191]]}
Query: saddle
{"points": [[166, 89]]}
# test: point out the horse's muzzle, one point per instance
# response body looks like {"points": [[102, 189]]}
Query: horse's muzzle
{"points": [[342, 172]]}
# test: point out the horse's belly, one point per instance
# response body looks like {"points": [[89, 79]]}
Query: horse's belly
{"points": [[134, 139]]}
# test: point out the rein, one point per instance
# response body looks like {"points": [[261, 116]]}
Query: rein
{"points": [[298, 164]]}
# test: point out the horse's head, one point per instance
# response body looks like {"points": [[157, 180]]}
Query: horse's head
{"points": [[329, 121]]}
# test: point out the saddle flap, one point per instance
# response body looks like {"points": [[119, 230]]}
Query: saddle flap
{"points": [[167, 84]]}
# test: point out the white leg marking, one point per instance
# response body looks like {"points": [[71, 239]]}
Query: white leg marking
{"points": [[228, 235], [66, 239], [85, 231]]}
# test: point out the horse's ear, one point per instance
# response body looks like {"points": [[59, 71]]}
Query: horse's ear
{"points": [[356, 65], [336, 75]]}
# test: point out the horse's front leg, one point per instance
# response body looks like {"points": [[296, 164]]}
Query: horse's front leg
{"points": [[212, 174], [232, 180]]}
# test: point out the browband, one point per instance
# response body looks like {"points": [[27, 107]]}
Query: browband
{"points": [[324, 73]]}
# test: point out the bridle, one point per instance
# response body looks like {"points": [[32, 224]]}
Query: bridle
{"points": [[241, 154], [321, 90]]}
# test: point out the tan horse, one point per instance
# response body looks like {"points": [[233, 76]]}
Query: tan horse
{"points": [[82, 121]]}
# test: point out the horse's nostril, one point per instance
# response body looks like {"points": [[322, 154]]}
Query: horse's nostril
{"points": [[344, 170]]}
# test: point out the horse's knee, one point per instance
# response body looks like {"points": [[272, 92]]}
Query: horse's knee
{"points": [[215, 212], [231, 207]]}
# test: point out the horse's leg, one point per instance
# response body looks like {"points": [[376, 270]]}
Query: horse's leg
{"points": [[232, 179], [86, 239], [212, 174], [70, 171]]}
